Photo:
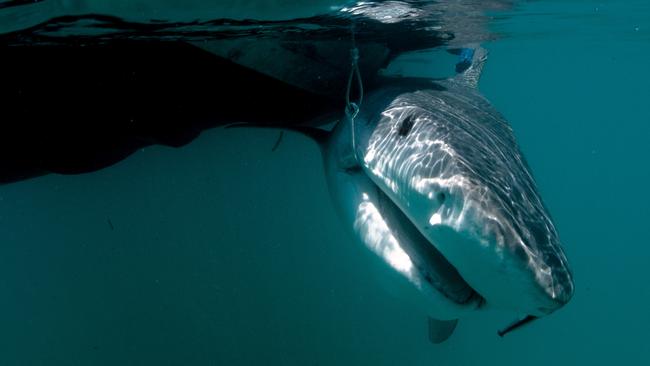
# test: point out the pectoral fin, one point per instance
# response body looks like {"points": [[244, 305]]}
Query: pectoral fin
{"points": [[440, 330]]}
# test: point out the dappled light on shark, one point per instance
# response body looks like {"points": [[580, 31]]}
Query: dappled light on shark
{"points": [[379, 238]]}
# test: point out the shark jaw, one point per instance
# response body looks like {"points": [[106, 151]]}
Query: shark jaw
{"points": [[384, 229]]}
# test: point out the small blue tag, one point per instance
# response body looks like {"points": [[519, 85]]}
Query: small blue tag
{"points": [[465, 59], [466, 55]]}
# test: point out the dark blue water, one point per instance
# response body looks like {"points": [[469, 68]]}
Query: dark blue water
{"points": [[226, 253]]}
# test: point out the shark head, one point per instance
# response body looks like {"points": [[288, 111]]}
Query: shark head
{"points": [[451, 164]]}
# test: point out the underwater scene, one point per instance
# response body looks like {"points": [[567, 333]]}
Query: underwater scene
{"points": [[324, 182]]}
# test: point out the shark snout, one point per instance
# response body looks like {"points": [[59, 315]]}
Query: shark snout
{"points": [[559, 288], [509, 256], [546, 260], [539, 277]]}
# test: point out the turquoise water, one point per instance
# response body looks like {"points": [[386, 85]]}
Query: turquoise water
{"points": [[225, 253]]}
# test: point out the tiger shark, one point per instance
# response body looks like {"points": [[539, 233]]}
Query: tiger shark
{"points": [[428, 176]]}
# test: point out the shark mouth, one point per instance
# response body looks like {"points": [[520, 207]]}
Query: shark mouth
{"points": [[440, 274], [430, 265]]}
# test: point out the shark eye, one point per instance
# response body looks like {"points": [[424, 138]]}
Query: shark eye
{"points": [[406, 126], [441, 197]]}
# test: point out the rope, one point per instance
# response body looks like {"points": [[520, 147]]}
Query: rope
{"points": [[352, 108], [354, 71]]}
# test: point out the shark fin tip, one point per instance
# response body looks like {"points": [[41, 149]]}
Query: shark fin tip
{"points": [[441, 330]]}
